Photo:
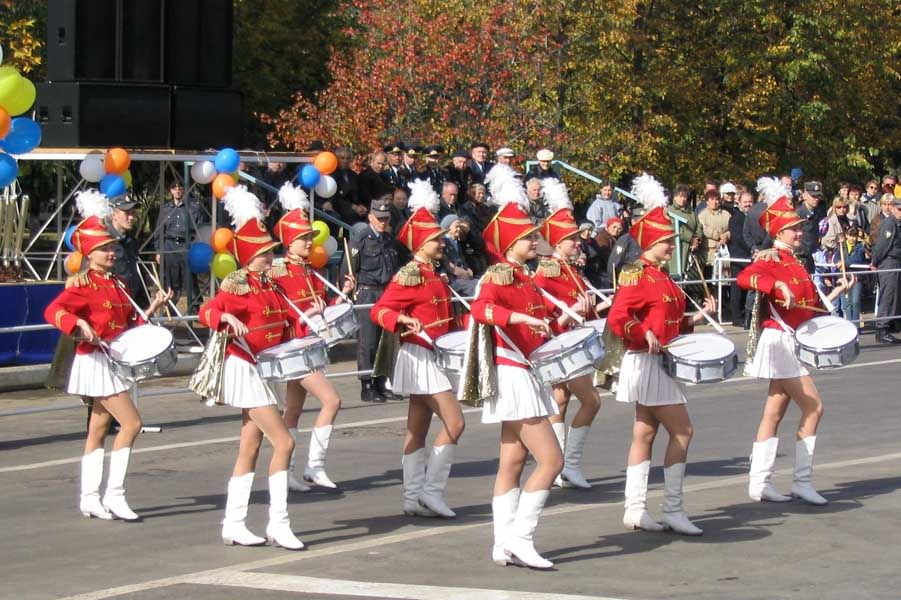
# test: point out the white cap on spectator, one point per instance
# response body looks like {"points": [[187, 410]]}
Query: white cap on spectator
{"points": [[545, 154], [727, 188], [508, 152]]}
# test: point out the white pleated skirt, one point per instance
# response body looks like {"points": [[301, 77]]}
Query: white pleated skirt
{"points": [[519, 396], [242, 386], [92, 376], [417, 372], [775, 357], [642, 379]]}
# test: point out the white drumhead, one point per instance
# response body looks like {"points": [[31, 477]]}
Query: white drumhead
{"points": [[597, 324], [336, 310], [701, 346], [455, 340], [297, 344], [826, 332], [563, 341], [140, 343]]}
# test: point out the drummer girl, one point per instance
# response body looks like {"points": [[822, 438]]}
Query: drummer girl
{"points": [[508, 302], [250, 307], [560, 278], [647, 313], [96, 304], [295, 278], [785, 290], [417, 303]]}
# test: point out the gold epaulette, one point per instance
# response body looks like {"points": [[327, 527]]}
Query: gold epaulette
{"points": [[500, 274], [278, 269], [236, 283], [548, 267], [631, 274], [771, 255], [80, 280], [409, 274]]}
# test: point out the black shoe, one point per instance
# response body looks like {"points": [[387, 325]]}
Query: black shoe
{"points": [[384, 392], [369, 393], [884, 337]]}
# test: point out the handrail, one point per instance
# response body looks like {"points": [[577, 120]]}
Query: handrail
{"points": [[583, 174], [272, 188]]}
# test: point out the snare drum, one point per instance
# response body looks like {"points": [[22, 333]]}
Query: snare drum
{"points": [[342, 323], [293, 359], [700, 358], [827, 342], [143, 352], [450, 349], [570, 355], [597, 324]]}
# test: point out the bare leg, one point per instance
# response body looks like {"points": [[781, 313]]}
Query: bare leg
{"points": [[803, 391], [98, 425], [589, 401], [123, 410], [295, 397], [774, 410], [273, 427], [512, 458], [561, 398], [320, 387], [248, 446], [419, 417], [644, 430], [538, 436], [677, 423], [448, 410]]}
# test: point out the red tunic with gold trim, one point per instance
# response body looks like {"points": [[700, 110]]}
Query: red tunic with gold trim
{"points": [[507, 288], [560, 280], [295, 279], [416, 291], [97, 298], [647, 299], [254, 300], [780, 264]]}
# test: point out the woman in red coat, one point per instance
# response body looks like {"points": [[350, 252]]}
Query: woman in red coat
{"points": [[96, 304], [417, 304], [249, 306], [786, 290], [647, 312], [295, 278]]}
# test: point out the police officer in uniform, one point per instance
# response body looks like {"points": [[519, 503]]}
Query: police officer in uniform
{"points": [[178, 222], [121, 228], [887, 255], [437, 174], [395, 175], [374, 262]]}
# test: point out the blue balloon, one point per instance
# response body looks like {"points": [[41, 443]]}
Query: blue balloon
{"points": [[24, 136], [9, 170], [227, 161], [309, 176], [113, 185], [67, 237], [200, 254]]}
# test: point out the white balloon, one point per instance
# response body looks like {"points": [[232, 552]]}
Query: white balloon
{"points": [[203, 172], [326, 187], [330, 245], [91, 168]]}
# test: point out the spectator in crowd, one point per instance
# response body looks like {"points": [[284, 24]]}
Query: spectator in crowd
{"points": [[606, 240], [458, 171], [537, 208], [809, 211], [714, 223], [855, 254], [415, 162], [685, 221], [479, 164], [885, 211], [856, 211], [346, 179], [756, 237], [477, 211], [121, 228], [842, 192], [178, 222], [710, 185], [739, 250], [887, 255], [543, 170], [604, 206], [461, 276], [837, 223], [625, 252], [393, 173], [408, 160], [826, 266], [448, 204], [870, 199], [888, 184], [437, 174], [594, 266], [728, 194], [371, 185], [505, 156]]}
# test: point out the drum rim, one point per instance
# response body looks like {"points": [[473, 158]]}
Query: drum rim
{"points": [[592, 333]]}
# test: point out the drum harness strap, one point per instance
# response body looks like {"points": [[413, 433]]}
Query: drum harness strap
{"points": [[499, 331]]}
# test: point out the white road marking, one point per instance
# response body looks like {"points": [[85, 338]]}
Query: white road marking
{"points": [[444, 529], [340, 587]]}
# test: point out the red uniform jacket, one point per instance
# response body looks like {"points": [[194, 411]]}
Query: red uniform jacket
{"points": [[97, 298], [561, 282], [253, 299], [775, 265], [647, 299], [419, 292], [507, 289], [295, 279]]}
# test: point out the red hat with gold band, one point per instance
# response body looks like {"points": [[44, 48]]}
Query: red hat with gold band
{"points": [[512, 222], [91, 233], [251, 236], [419, 229], [779, 214], [294, 223], [561, 224], [654, 226]]}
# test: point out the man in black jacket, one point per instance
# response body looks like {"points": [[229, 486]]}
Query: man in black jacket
{"points": [[479, 165], [346, 179], [121, 227], [738, 249], [809, 210], [371, 186]]}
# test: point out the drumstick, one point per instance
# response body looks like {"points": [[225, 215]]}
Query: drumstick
{"points": [[262, 327], [841, 251], [432, 324], [676, 344], [701, 275], [315, 298], [815, 309], [350, 268]]}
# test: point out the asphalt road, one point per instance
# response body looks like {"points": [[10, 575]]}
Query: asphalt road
{"points": [[360, 546]]}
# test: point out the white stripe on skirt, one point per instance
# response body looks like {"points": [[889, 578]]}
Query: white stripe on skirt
{"points": [[417, 372], [519, 396], [91, 375], [642, 379]]}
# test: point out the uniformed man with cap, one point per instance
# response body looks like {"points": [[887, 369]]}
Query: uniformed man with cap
{"points": [[121, 227], [416, 163], [178, 222], [437, 174], [479, 165], [811, 210], [887, 255], [374, 261], [395, 174]]}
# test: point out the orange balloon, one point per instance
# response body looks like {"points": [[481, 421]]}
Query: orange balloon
{"points": [[325, 163], [73, 263], [222, 237], [117, 160], [5, 122], [318, 257], [221, 184]]}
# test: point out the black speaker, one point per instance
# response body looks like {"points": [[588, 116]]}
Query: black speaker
{"points": [[85, 114], [206, 118], [81, 39], [198, 37]]}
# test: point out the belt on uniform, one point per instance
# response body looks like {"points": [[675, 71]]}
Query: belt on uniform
{"points": [[370, 287], [177, 240]]}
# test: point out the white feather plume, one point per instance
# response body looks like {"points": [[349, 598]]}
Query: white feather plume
{"points": [[555, 194], [242, 206], [771, 189], [649, 192], [91, 203], [506, 187], [422, 195], [291, 197]]}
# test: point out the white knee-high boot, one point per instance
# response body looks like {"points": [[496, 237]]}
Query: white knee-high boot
{"points": [[437, 473], [801, 485], [572, 458], [503, 512], [414, 480], [519, 541], [763, 459], [295, 484], [91, 475], [637, 515], [315, 470], [560, 432], [674, 515], [114, 498], [278, 531], [234, 528]]}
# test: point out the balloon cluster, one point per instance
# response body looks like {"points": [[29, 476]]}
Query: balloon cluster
{"points": [[222, 171], [317, 176], [18, 135], [110, 170]]}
